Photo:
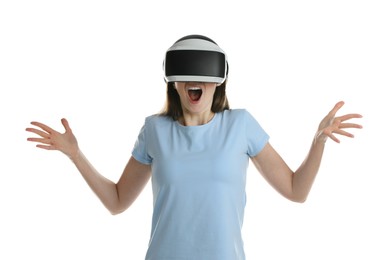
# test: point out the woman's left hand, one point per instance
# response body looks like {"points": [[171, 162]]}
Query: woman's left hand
{"points": [[333, 124]]}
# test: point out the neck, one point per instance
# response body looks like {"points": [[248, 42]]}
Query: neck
{"points": [[190, 119]]}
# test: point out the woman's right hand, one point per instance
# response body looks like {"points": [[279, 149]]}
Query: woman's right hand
{"points": [[52, 140]]}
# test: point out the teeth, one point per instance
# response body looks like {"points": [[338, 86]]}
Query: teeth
{"points": [[194, 88]]}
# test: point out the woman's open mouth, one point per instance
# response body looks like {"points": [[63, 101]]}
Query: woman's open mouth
{"points": [[195, 93]]}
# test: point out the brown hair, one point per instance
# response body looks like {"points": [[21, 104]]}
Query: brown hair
{"points": [[173, 107]]}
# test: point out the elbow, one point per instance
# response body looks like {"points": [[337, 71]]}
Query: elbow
{"points": [[298, 195], [118, 209], [299, 199], [114, 213]]}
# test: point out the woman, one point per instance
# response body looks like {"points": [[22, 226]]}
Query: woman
{"points": [[197, 152]]}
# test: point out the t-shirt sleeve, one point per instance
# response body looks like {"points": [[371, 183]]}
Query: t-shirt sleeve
{"points": [[140, 149], [257, 138]]}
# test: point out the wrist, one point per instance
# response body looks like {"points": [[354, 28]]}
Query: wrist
{"points": [[74, 156], [320, 138]]}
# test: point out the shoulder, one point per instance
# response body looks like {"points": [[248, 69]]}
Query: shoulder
{"points": [[234, 119], [157, 121], [236, 114], [236, 111], [242, 118]]}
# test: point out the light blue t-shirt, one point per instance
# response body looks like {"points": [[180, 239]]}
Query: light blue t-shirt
{"points": [[198, 183]]}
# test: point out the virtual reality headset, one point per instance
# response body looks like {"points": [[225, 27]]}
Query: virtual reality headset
{"points": [[195, 58]]}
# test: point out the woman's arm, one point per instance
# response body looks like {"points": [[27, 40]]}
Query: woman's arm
{"points": [[296, 185], [116, 197]]}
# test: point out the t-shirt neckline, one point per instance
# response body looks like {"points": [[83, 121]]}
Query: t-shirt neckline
{"points": [[197, 126]]}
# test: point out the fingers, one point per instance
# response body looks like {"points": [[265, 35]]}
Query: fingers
{"points": [[49, 139], [332, 137], [65, 124], [340, 132], [43, 127], [344, 133], [45, 147], [43, 143], [48, 130], [350, 125], [38, 132], [40, 140], [333, 125], [45, 132], [330, 133], [349, 116], [335, 109], [341, 119]]}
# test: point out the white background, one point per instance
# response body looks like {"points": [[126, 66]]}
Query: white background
{"points": [[99, 64]]}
